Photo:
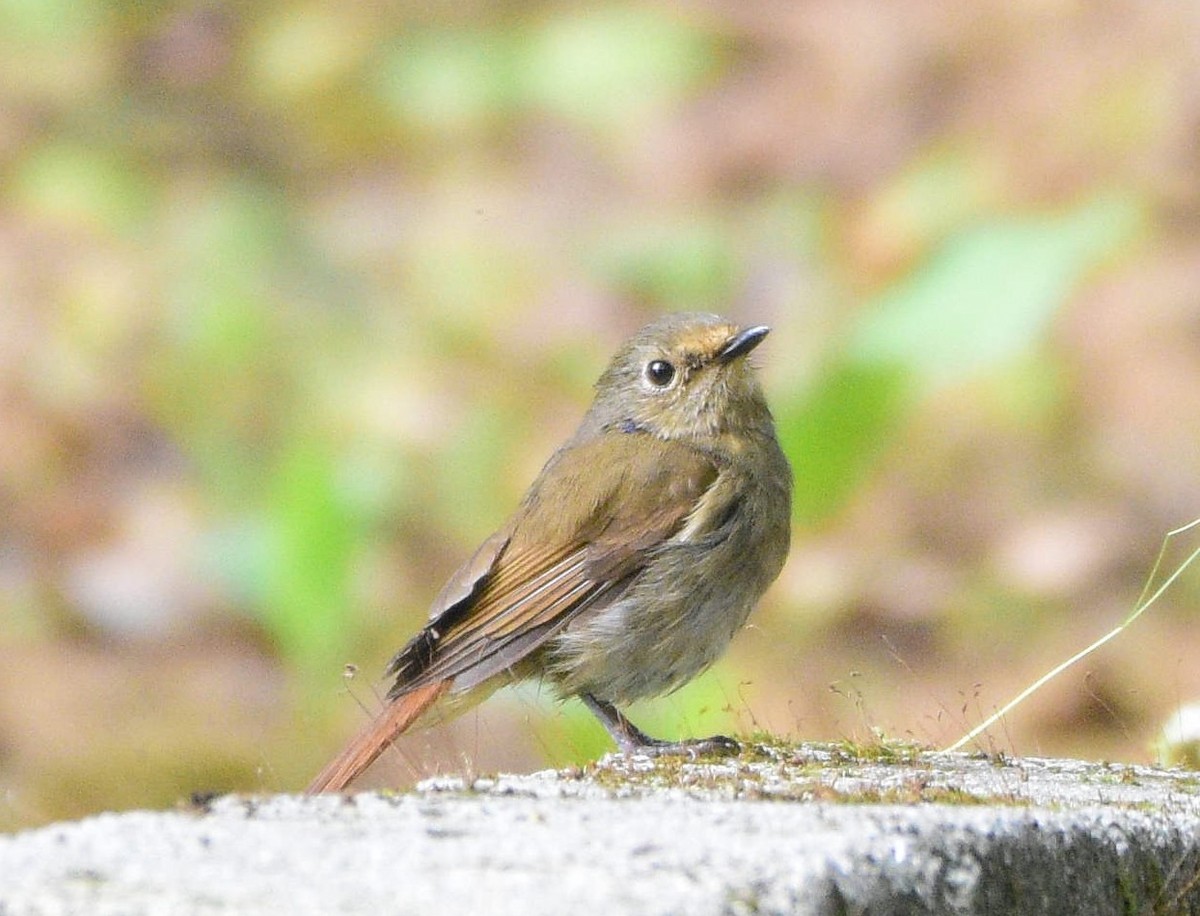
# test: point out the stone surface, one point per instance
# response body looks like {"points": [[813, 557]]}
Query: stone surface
{"points": [[808, 830]]}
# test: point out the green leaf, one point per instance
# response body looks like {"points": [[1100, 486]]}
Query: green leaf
{"points": [[688, 263], [704, 706], [990, 293], [608, 65], [986, 299], [80, 186], [311, 535], [833, 437], [49, 22], [448, 81], [305, 49]]}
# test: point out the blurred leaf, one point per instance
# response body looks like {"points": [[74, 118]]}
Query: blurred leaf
{"points": [[573, 737], [987, 298], [687, 264], [990, 293], [611, 65], [50, 21], [474, 479], [469, 280], [224, 330], [306, 49], [833, 437], [708, 704], [81, 187], [229, 228], [312, 536], [227, 241], [238, 553], [932, 197], [448, 81], [1029, 392], [702, 707], [789, 220]]}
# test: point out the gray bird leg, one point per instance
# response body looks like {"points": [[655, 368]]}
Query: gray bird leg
{"points": [[632, 740]]}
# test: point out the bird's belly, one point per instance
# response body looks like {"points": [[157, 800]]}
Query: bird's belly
{"points": [[678, 613], [649, 641]]}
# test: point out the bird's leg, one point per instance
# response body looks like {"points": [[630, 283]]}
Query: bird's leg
{"points": [[632, 740]]}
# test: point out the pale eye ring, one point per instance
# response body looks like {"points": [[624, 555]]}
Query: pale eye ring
{"points": [[660, 373]]}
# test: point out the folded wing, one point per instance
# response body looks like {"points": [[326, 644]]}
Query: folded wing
{"points": [[559, 556]]}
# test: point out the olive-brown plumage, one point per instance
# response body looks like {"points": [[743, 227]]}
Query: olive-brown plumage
{"points": [[633, 558]]}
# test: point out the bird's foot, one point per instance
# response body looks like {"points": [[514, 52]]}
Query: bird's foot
{"points": [[634, 742], [713, 746]]}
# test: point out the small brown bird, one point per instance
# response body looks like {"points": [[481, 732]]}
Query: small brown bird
{"points": [[637, 553]]}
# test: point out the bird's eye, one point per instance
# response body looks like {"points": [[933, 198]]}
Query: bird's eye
{"points": [[660, 373]]}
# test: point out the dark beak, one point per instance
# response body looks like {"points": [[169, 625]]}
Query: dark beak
{"points": [[742, 343]]}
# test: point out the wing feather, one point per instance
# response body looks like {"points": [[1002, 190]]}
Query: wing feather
{"points": [[560, 556]]}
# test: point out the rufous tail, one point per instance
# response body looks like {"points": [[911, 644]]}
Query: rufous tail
{"points": [[373, 740]]}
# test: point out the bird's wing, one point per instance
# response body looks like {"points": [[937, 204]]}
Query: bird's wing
{"points": [[584, 529]]}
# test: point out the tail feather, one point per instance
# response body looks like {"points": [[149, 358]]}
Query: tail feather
{"points": [[372, 741]]}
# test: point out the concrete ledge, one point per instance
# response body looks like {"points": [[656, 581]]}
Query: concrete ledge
{"points": [[806, 830]]}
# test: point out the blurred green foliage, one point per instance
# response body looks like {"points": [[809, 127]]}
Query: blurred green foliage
{"points": [[834, 436], [313, 538], [689, 265], [309, 292], [990, 293], [986, 297], [614, 66]]}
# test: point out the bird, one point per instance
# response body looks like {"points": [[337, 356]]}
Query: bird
{"points": [[634, 557]]}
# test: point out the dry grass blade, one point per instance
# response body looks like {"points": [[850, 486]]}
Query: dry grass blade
{"points": [[1143, 603]]}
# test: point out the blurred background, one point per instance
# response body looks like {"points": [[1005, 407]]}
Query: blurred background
{"points": [[296, 298]]}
